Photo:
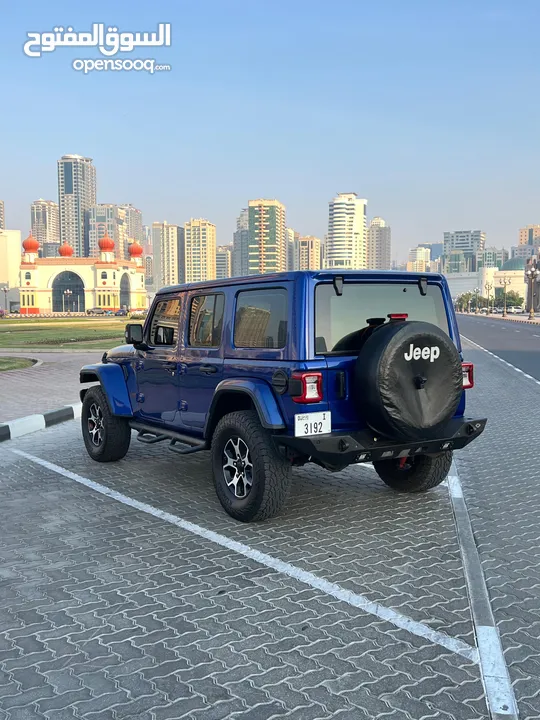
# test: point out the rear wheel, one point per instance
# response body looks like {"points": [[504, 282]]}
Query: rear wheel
{"points": [[415, 474], [106, 436], [251, 478]]}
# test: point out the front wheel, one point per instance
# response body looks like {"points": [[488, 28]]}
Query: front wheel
{"points": [[415, 474], [251, 478], [106, 436]]}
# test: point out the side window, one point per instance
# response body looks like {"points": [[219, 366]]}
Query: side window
{"points": [[206, 320], [261, 319], [164, 323]]}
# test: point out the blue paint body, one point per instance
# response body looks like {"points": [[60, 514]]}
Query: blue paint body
{"points": [[164, 386], [113, 381]]}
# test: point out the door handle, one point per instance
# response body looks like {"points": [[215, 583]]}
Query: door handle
{"points": [[208, 369]]}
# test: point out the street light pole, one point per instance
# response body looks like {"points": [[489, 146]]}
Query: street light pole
{"points": [[489, 288], [6, 290], [477, 293], [532, 275], [504, 282], [67, 293]]}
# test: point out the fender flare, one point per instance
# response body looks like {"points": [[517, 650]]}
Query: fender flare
{"points": [[111, 378], [261, 395]]}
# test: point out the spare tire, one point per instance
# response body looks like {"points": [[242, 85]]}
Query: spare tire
{"points": [[408, 380]]}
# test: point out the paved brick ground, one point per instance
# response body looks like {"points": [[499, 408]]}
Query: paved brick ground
{"points": [[44, 387], [109, 613], [501, 478]]}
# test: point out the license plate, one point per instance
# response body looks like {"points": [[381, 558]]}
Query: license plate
{"points": [[315, 423]]}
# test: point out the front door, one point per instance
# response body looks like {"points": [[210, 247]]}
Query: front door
{"points": [[157, 368], [201, 357]]}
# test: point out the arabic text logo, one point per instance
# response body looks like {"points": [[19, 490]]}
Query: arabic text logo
{"points": [[107, 40]]}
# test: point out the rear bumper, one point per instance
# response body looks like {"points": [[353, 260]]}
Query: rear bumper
{"points": [[337, 450]]}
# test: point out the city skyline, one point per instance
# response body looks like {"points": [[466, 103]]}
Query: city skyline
{"points": [[261, 243], [371, 248]]}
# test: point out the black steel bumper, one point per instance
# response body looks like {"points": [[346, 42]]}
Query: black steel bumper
{"points": [[337, 450]]}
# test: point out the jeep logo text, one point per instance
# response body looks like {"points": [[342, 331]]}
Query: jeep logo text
{"points": [[427, 353]]}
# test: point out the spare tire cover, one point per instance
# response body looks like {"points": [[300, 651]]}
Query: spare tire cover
{"points": [[408, 380]]}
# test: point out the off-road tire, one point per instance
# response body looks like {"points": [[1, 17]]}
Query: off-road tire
{"points": [[425, 472], [272, 473], [116, 431]]}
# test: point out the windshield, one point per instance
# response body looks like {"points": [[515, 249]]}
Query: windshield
{"points": [[341, 321]]}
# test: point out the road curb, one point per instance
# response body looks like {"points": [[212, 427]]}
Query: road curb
{"points": [[32, 423], [500, 317], [53, 350]]}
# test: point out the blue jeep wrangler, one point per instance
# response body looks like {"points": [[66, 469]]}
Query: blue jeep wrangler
{"points": [[267, 372]]}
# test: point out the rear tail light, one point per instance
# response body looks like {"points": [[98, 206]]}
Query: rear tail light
{"points": [[468, 375], [398, 316], [306, 387]]}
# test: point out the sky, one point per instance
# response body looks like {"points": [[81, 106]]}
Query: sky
{"points": [[428, 108]]}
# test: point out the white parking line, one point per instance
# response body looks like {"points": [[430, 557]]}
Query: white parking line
{"points": [[498, 689], [333, 589]]}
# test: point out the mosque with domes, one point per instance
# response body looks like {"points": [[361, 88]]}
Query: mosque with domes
{"points": [[75, 284]]}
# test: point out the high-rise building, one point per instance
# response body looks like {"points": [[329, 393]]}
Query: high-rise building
{"points": [[419, 259], [10, 262], [2, 216], [147, 240], [491, 257], [200, 250], [469, 242], [346, 244], [437, 249], [526, 251], [10, 257], [223, 262], [309, 253], [134, 223], [168, 245], [240, 264], [455, 262], [529, 235], [45, 224], [379, 245], [267, 251], [149, 270], [76, 194], [293, 248], [107, 219]]}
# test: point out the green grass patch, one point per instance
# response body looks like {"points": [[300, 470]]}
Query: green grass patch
{"points": [[14, 363], [43, 334]]}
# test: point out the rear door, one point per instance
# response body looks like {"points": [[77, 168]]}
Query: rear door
{"points": [[201, 356], [341, 327]]}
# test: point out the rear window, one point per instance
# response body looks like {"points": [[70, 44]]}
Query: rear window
{"points": [[261, 319], [340, 319]]}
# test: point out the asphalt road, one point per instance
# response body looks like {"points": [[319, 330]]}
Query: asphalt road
{"points": [[517, 343]]}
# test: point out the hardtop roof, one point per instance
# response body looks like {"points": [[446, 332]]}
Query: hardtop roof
{"points": [[395, 275]]}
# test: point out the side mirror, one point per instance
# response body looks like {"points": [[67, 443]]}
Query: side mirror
{"points": [[134, 335]]}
